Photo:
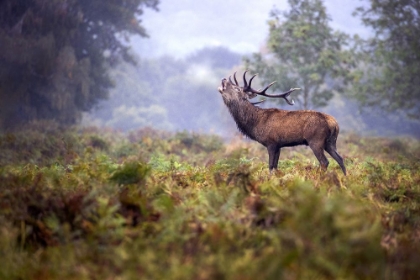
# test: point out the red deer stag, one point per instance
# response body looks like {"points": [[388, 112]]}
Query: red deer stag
{"points": [[275, 128]]}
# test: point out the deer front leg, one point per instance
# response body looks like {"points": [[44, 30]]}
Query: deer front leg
{"points": [[273, 157]]}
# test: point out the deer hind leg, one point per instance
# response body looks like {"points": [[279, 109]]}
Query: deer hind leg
{"points": [[331, 149], [318, 151], [273, 157]]}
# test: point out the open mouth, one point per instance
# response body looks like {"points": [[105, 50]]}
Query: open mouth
{"points": [[222, 86]]}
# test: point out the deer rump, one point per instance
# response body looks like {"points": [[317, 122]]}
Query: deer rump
{"points": [[276, 128]]}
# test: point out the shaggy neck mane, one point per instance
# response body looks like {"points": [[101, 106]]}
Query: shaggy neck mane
{"points": [[245, 115]]}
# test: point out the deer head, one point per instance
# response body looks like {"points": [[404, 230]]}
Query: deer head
{"points": [[232, 90]]}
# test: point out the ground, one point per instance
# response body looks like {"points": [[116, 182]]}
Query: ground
{"points": [[99, 204]]}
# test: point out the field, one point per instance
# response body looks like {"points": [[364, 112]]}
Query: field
{"points": [[98, 204]]}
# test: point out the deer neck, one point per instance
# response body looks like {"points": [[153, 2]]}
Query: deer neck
{"points": [[246, 116]]}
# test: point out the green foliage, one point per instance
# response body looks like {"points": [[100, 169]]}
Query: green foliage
{"points": [[130, 173], [152, 204], [198, 143], [304, 52], [55, 55], [389, 72]]}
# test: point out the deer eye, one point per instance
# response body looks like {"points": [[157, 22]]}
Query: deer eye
{"points": [[237, 89]]}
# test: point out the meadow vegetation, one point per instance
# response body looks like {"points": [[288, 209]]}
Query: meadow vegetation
{"points": [[85, 203]]}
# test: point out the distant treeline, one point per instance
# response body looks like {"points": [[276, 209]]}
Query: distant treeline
{"points": [[178, 94]]}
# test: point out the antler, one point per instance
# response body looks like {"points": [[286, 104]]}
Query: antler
{"points": [[234, 78], [258, 102], [247, 88]]}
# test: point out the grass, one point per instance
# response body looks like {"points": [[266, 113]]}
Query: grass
{"points": [[98, 204]]}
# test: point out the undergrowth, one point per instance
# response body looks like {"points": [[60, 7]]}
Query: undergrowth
{"points": [[98, 204]]}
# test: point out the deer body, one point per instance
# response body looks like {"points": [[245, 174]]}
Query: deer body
{"points": [[275, 128]]}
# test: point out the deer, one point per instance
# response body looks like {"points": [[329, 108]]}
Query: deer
{"points": [[277, 128]]}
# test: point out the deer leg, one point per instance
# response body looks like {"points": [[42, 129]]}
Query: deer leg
{"points": [[319, 153], [273, 157], [276, 158], [335, 155]]}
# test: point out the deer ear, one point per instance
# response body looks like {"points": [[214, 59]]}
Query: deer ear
{"points": [[251, 95]]}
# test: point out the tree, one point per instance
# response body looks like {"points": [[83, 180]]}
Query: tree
{"points": [[389, 75], [303, 51], [54, 55]]}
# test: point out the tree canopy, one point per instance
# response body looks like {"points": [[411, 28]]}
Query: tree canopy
{"points": [[390, 70], [304, 51], [54, 55]]}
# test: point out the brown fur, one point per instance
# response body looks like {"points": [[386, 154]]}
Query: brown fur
{"points": [[275, 128]]}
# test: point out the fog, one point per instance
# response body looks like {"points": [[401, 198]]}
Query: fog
{"points": [[185, 26], [191, 46]]}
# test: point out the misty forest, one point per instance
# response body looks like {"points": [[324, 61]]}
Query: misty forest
{"points": [[119, 164]]}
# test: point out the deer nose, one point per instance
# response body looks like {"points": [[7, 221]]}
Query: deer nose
{"points": [[223, 86]]}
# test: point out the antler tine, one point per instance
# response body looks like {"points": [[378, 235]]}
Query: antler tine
{"points": [[282, 95], [250, 80], [230, 80], [245, 82], [258, 102], [262, 92], [247, 85], [234, 78]]}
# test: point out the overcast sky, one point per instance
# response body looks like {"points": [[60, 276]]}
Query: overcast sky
{"points": [[181, 27]]}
